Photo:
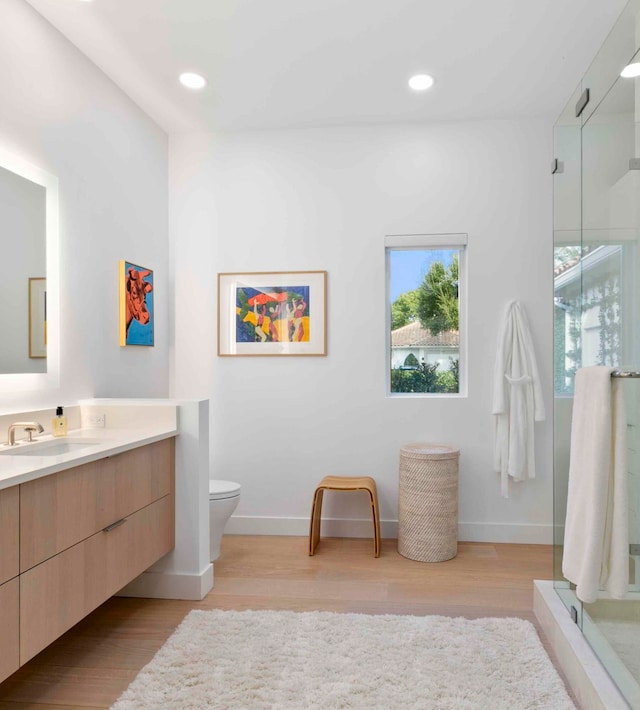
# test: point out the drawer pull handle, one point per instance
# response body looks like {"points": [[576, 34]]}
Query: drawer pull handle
{"points": [[115, 525]]}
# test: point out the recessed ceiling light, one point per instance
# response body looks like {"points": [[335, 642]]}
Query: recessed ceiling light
{"points": [[421, 82], [193, 81], [631, 70]]}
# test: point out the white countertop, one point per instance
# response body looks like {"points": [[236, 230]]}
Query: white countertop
{"points": [[15, 469]]}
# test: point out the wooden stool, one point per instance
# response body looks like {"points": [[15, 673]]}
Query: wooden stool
{"points": [[344, 483]]}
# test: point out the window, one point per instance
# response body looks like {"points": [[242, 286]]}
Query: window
{"points": [[594, 283], [425, 314]]}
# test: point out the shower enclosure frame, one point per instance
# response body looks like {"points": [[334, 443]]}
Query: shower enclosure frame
{"points": [[596, 194]]}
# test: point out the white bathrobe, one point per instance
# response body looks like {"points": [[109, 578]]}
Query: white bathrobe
{"points": [[517, 399], [596, 535]]}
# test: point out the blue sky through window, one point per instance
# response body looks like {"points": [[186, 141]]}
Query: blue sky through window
{"points": [[409, 266]]}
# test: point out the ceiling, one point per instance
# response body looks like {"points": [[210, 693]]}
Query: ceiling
{"points": [[300, 63]]}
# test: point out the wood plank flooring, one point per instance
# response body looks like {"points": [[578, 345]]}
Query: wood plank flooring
{"points": [[93, 663]]}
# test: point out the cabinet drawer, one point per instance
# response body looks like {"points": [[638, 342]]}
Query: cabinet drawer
{"points": [[141, 476], [9, 607], [9, 533], [58, 593], [62, 509]]}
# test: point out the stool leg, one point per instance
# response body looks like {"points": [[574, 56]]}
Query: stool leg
{"points": [[316, 512], [376, 523]]}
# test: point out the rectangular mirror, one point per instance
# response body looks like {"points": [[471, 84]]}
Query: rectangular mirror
{"points": [[23, 243], [28, 275]]}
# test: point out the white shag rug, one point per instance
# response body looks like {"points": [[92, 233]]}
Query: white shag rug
{"points": [[248, 660]]}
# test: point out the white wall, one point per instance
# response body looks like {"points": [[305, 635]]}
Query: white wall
{"points": [[62, 114], [324, 199]]}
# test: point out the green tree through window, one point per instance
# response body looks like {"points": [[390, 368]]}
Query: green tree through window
{"points": [[438, 297], [424, 319], [404, 309]]}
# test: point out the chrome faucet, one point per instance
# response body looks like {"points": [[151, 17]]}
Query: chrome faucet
{"points": [[29, 427]]}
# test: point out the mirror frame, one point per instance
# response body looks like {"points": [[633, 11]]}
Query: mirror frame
{"points": [[50, 379]]}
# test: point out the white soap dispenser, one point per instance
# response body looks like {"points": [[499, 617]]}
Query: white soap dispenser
{"points": [[59, 423]]}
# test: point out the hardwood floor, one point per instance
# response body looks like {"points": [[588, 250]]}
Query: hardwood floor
{"points": [[93, 663]]}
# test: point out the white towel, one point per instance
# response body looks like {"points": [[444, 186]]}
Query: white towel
{"points": [[517, 399], [596, 536]]}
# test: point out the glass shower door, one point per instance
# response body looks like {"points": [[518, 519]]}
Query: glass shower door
{"points": [[610, 331], [567, 230]]}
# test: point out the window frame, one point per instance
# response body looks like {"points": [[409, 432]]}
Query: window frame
{"points": [[423, 242]]}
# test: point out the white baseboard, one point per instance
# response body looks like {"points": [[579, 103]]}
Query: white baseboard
{"points": [[158, 585], [333, 527], [522, 534]]}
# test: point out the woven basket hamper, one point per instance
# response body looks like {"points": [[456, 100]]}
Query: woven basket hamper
{"points": [[428, 502]]}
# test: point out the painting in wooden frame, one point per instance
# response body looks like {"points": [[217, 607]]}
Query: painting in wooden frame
{"points": [[264, 313]]}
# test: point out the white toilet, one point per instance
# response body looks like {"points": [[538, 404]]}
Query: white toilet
{"points": [[223, 499]]}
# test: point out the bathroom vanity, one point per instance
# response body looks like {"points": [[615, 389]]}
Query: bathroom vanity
{"points": [[75, 528]]}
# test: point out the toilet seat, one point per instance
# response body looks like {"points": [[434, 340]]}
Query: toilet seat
{"points": [[219, 490]]}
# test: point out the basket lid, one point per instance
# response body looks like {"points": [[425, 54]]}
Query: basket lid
{"points": [[431, 451]]}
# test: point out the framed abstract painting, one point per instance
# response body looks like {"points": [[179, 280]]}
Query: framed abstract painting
{"points": [[272, 313], [136, 304]]}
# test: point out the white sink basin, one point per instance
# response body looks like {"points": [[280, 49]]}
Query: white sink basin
{"points": [[49, 447]]}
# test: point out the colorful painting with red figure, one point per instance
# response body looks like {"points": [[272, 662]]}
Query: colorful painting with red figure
{"points": [[136, 304], [272, 313], [279, 314]]}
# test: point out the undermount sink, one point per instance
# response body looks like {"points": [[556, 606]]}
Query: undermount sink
{"points": [[49, 448]]}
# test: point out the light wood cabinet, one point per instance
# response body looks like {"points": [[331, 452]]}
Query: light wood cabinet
{"points": [[142, 476], [9, 639], [70, 540], [61, 510], [58, 593], [9, 533]]}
